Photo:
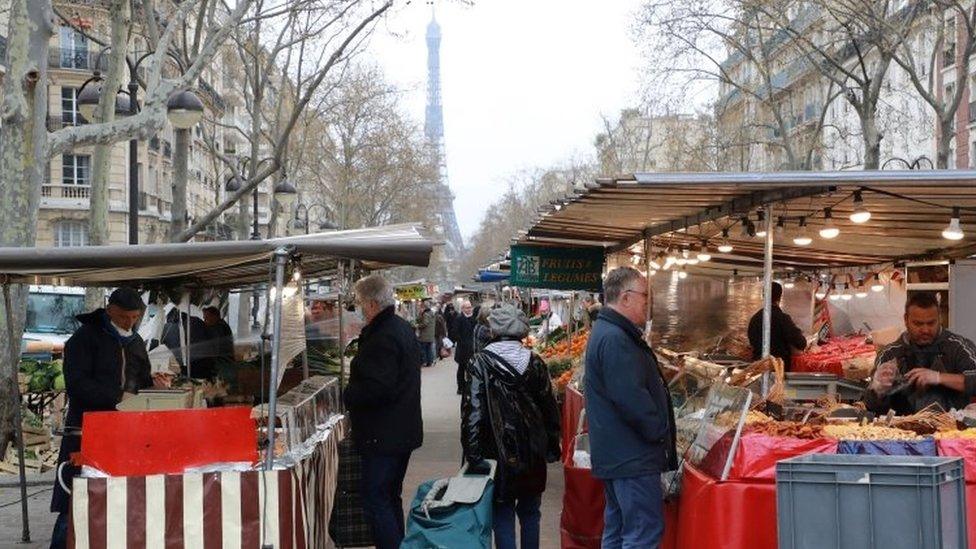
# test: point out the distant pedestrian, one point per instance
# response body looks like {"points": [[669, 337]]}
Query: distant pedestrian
{"points": [[510, 415], [449, 315], [482, 332], [426, 330], [464, 325], [632, 433], [383, 399], [440, 332]]}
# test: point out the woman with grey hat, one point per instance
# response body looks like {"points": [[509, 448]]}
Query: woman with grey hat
{"points": [[510, 415]]}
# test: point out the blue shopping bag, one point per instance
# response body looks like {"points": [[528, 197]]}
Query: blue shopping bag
{"points": [[453, 512]]}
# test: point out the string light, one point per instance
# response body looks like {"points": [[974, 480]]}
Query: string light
{"points": [[802, 238], [725, 247], [861, 214], [954, 230], [829, 230], [703, 254]]}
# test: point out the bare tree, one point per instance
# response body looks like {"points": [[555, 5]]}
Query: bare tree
{"points": [[767, 99]]}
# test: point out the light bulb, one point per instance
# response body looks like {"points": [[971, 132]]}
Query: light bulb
{"points": [[692, 261], [860, 214], [653, 272], [954, 230], [635, 259], [789, 284], [821, 293], [681, 262], [761, 233], [877, 286], [703, 254], [802, 238], [861, 292], [834, 296], [846, 296], [829, 230], [655, 263], [780, 227], [725, 247], [682, 274]]}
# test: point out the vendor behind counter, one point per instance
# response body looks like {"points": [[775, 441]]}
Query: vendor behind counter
{"points": [[926, 365], [784, 335]]}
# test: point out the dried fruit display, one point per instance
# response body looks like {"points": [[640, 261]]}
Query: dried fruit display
{"points": [[788, 429], [868, 432]]}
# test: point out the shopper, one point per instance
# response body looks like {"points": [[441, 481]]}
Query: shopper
{"points": [[426, 330], [104, 360], [784, 335], [510, 416], [450, 314], [631, 423], [482, 331], [220, 336], [464, 325], [440, 332], [383, 399], [931, 364]]}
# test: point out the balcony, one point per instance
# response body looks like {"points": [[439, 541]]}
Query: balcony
{"points": [[211, 94], [972, 112], [67, 58], [57, 190]]}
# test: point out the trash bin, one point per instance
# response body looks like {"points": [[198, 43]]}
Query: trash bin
{"points": [[870, 502]]}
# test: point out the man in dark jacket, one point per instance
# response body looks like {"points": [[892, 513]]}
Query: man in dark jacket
{"points": [[784, 335], [932, 365], [383, 398], [510, 416], [464, 330], [219, 335], [200, 353], [632, 433], [104, 360]]}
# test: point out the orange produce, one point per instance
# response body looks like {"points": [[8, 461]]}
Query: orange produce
{"points": [[565, 348]]}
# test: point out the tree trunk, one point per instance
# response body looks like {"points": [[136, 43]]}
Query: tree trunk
{"points": [[98, 217], [181, 157], [943, 145], [871, 139], [22, 163]]}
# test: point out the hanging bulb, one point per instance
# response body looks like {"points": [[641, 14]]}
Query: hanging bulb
{"points": [[829, 230], [877, 286], [656, 262], [669, 260], [703, 254], [693, 257], [834, 295], [802, 238], [724, 247], [682, 259], [682, 274], [748, 228], [821, 292], [861, 214], [954, 230], [789, 284], [846, 294], [780, 227], [861, 291], [635, 259], [653, 272], [761, 229]]}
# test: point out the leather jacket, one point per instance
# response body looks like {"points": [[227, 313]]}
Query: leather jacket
{"points": [[511, 417]]}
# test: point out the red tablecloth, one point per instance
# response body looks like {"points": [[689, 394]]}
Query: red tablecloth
{"points": [[572, 406]]}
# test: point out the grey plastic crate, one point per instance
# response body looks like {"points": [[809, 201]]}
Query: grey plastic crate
{"points": [[870, 502]]}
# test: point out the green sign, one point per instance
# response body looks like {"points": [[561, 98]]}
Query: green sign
{"points": [[557, 268]]}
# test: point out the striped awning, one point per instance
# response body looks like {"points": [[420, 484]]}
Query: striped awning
{"points": [[909, 210]]}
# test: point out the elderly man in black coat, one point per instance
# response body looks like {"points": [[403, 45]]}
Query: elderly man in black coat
{"points": [[383, 398], [464, 325], [103, 360]]}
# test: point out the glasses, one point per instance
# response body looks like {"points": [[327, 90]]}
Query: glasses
{"points": [[636, 292]]}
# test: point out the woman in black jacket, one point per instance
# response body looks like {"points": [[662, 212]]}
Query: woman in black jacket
{"points": [[510, 415]]}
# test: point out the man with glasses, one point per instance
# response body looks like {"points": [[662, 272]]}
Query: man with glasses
{"points": [[631, 422]]}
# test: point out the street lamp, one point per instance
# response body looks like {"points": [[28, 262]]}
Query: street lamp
{"points": [[284, 192], [303, 223], [180, 110]]}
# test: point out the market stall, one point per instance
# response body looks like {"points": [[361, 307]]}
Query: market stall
{"points": [[265, 475], [848, 247]]}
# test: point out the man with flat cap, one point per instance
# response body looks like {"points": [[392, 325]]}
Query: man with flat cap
{"points": [[104, 360]]}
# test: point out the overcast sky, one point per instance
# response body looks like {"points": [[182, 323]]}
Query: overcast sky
{"points": [[523, 83]]}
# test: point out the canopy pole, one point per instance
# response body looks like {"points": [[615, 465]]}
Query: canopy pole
{"points": [[341, 276], [18, 420], [281, 259], [187, 352], [650, 290], [767, 293]]}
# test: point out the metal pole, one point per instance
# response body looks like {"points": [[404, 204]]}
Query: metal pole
{"points": [[186, 354], [19, 427], [133, 169], [767, 293], [281, 258], [255, 233], [341, 277], [650, 290]]}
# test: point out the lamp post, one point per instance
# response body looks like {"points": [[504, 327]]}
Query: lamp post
{"points": [[284, 193], [302, 223], [183, 109]]}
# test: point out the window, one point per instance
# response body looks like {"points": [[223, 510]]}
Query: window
{"points": [[75, 169], [74, 49], [70, 233], [69, 108]]}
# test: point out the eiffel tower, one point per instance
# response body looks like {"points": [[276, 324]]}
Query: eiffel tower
{"points": [[442, 204]]}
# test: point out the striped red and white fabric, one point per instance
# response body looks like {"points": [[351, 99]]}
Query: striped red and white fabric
{"points": [[288, 509]]}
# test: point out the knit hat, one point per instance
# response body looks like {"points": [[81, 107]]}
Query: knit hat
{"points": [[127, 299], [508, 321]]}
